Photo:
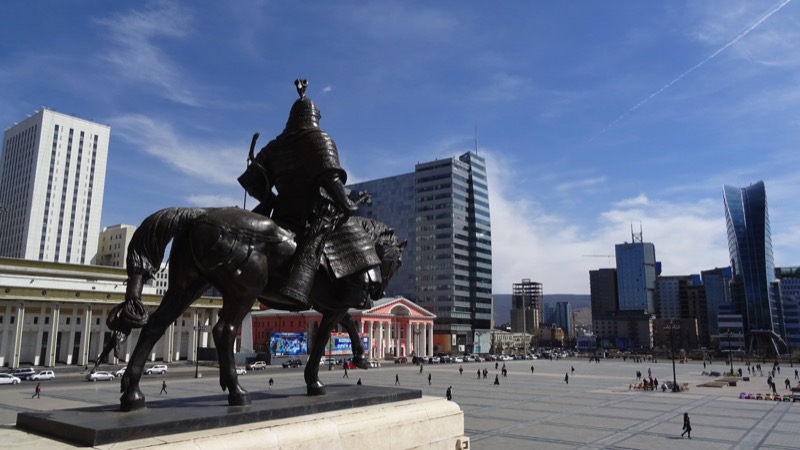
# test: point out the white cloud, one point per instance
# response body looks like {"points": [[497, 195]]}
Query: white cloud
{"points": [[137, 56], [216, 163], [578, 184], [550, 248]]}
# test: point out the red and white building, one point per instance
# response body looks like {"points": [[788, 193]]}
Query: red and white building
{"points": [[394, 327]]}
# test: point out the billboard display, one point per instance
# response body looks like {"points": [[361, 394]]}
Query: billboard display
{"points": [[288, 344], [340, 344]]}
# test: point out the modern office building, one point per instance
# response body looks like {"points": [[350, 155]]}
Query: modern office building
{"points": [[789, 304], [636, 275], [527, 302], [563, 318], [750, 247], [717, 286], [603, 292], [52, 175], [446, 204]]}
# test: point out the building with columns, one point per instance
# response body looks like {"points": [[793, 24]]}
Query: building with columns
{"points": [[394, 327], [55, 313]]}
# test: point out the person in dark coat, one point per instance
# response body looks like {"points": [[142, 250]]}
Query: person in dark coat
{"points": [[687, 425], [449, 393]]}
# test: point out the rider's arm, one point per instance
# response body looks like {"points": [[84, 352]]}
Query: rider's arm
{"points": [[335, 188]]}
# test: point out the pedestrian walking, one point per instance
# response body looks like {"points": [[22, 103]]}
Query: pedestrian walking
{"points": [[420, 368], [495, 365], [496, 379], [687, 425], [531, 368], [704, 364], [485, 373], [449, 393], [359, 382], [479, 374], [461, 370], [573, 369], [788, 384], [429, 378], [795, 374], [396, 379], [38, 391], [566, 377], [163, 388], [271, 382]]}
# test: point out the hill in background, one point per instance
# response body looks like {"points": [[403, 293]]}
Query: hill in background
{"points": [[502, 304]]}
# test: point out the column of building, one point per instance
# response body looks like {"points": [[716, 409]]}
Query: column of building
{"points": [[18, 335], [52, 341]]}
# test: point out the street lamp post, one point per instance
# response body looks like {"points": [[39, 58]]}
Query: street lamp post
{"points": [[200, 329], [672, 325], [728, 334]]}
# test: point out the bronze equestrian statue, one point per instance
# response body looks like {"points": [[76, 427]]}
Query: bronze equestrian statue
{"points": [[300, 248]]}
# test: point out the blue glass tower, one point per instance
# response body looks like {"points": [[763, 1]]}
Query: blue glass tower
{"points": [[750, 247]]}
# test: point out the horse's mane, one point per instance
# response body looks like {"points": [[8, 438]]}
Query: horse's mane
{"points": [[382, 234]]}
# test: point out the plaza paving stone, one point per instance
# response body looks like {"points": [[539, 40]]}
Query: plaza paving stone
{"points": [[596, 410]]}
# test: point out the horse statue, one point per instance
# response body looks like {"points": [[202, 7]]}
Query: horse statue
{"points": [[242, 254]]}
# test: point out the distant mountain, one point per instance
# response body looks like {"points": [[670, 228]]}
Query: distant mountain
{"points": [[502, 304]]}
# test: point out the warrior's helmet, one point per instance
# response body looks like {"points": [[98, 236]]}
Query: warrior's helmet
{"points": [[304, 113]]}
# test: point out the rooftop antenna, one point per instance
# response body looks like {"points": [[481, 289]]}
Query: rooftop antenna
{"points": [[637, 238], [476, 139]]}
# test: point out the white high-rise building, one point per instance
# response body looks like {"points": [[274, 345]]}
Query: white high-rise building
{"points": [[52, 175]]}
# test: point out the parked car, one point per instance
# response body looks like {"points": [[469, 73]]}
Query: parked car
{"points": [[458, 359], [257, 365], [7, 378], [435, 360], [43, 375], [24, 373], [100, 376], [401, 360], [374, 363], [120, 372], [241, 371], [292, 363], [158, 368]]}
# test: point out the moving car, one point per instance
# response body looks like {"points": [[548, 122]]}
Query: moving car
{"points": [[292, 363], [100, 376], [24, 373], [158, 368], [120, 372], [7, 378], [240, 371], [257, 365], [43, 375]]}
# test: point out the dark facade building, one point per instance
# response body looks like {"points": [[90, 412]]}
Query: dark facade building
{"points": [[443, 206], [527, 303]]}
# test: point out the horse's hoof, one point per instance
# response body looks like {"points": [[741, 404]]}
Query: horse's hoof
{"points": [[239, 399], [131, 402], [316, 388], [361, 363]]}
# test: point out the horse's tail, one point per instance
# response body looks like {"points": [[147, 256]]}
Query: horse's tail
{"points": [[145, 253]]}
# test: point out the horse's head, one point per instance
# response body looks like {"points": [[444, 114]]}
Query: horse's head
{"points": [[390, 252]]}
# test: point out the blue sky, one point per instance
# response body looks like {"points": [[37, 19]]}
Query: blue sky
{"points": [[593, 116]]}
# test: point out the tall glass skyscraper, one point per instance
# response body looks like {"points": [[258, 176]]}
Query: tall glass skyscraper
{"points": [[443, 210], [750, 247], [636, 275]]}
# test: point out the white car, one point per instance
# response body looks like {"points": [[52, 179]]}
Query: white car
{"points": [[100, 376], [158, 368], [458, 359], [44, 375], [120, 372], [240, 371], [257, 365], [7, 378]]}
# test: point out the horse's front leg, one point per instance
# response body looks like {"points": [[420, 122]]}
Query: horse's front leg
{"points": [[313, 385], [355, 339]]}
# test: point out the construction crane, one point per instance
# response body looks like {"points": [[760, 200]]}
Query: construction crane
{"points": [[601, 256]]}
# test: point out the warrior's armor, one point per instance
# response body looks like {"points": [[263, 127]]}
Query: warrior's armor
{"points": [[297, 163]]}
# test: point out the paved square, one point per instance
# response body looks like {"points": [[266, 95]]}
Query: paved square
{"points": [[596, 410]]}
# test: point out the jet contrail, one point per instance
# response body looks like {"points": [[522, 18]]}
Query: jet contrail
{"points": [[695, 67]]}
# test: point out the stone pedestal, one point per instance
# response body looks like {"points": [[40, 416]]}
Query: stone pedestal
{"points": [[349, 417]]}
